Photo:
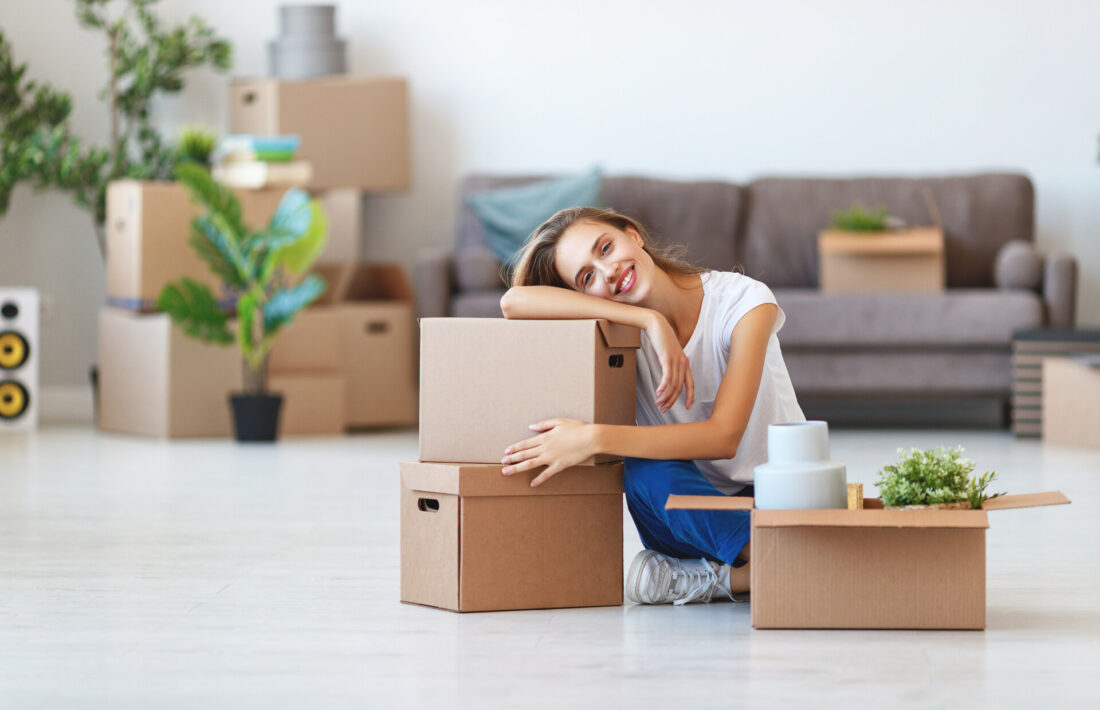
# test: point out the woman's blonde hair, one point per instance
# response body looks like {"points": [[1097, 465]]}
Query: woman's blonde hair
{"points": [[536, 264]]}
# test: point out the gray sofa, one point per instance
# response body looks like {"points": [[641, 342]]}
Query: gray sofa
{"points": [[838, 347]]}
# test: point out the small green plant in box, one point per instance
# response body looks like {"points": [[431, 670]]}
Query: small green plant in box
{"points": [[937, 477], [260, 266], [860, 219]]}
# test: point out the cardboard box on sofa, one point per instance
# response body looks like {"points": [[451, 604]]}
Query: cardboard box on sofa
{"points": [[312, 403], [148, 235], [362, 328], [475, 540], [354, 129], [157, 381], [1071, 400], [868, 569], [901, 260], [483, 381]]}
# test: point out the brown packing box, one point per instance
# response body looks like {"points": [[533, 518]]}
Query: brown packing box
{"points": [[312, 403], [868, 569], [343, 209], [148, 235], [1071, 401], [475, 540], [354, 129], [157, 381], [902, 260], [362, 328], [483, 381]]}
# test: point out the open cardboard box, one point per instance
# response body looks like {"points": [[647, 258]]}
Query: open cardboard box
{"points": [[868, 569], [360, 328], [473, 539], [483, 381], [901, 260]]}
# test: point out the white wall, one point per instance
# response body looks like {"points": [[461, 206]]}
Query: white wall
{"points": [[706, 88]]}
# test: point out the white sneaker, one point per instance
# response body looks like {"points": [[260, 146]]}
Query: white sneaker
{"points": [[659, 579]]}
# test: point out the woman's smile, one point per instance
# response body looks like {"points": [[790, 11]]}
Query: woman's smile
{"points": [[626, 281]]}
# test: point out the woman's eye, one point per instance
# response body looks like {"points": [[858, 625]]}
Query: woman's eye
{"points": [[586, 278], [606, 248]]}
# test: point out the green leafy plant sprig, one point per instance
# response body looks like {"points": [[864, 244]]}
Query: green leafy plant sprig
{"points": [[253, 263], [145, 59], [932, 477], [860, 219]]}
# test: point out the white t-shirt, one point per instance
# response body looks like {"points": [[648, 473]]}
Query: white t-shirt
{"points": [[727, 296]]}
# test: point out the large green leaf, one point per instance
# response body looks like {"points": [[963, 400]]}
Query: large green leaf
{"points": [[193, 308], [300, 255], [285, 303], [216, 199], [211, 245]]}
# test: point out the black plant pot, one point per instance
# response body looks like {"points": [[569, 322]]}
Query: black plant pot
{"points": [[256, 416]]}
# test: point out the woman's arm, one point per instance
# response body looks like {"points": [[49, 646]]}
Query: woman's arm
{"points": [[564, 443], [718, 436], [550, 302]]}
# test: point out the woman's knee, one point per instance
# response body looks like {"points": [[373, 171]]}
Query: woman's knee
{"points": [[641, 475]]}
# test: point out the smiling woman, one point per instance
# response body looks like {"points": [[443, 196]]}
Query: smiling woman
{"points": [[708, 335]]}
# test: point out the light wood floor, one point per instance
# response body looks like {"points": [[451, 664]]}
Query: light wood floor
{"points": [[146, 574]]}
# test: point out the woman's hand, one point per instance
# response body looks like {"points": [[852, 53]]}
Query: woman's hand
{"points": [[675, 368], [562, 443]]}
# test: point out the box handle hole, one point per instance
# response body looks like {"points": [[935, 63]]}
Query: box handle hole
{"points": [[615, 361], [376, 327], [249, 97], [428, 505]]}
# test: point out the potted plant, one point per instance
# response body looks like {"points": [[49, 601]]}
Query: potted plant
{"points": [[258, 265], [936, 478]]}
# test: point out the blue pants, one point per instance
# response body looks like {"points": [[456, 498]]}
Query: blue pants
{"points": [[716, 535]]}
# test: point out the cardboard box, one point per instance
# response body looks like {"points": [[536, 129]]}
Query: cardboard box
{"points": [[868, 569], [1071, 400], [148, 235], [483, 381], [902, 260], [361, 328], [344, 210], [312, 403], [475, 540], [154, 380], [354, 129]]}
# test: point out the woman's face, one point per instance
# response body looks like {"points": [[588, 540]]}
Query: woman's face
{"points": [[604, 261]]}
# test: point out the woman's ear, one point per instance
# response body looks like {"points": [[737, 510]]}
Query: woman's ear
{"points": [[633, 234]]}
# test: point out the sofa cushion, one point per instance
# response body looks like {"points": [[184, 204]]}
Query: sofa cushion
{"points": [[477, 268], [477, 304], [703, 216], [1018, 265], [955, 318], [916, 374], [978, 214], [510, 214]]}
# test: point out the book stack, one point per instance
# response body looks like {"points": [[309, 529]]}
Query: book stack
{"points": [[254, 162]]}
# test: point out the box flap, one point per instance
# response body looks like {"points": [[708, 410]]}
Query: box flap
{"points": [[917, 240], [338, 278], [869, 517], [1026, 500], [378, 282], [678, 502], [471, 480], [616, 335]]}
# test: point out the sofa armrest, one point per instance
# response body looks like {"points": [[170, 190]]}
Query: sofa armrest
{"points": [[433, 278], [1060, 290]]}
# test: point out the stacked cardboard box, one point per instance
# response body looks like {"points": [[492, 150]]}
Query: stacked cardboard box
{"points": [[473, 539], [868, 568], [350, 358], [901, 260]]}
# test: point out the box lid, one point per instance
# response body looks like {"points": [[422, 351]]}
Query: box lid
{"points": [[615, 335], [871, 516], [470, 480], [919, 240]]}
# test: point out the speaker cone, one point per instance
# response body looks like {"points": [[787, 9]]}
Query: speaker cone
{"points": [[13, 399], [14, 350]]}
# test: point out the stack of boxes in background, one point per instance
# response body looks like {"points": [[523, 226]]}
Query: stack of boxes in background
{"points": [[473, 539], [350, 353]]}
